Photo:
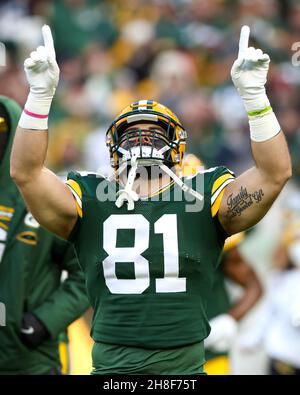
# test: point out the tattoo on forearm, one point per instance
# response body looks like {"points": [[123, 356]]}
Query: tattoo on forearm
{"points": [[239, 203]]}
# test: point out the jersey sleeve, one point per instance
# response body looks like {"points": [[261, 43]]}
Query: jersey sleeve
{"points": [[74, 184], [220, 178]]}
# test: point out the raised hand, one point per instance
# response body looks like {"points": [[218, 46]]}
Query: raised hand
{"points": [[42, 74], [249, 74], [41, 68]]}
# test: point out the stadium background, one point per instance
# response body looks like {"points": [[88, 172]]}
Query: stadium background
{"points": [[179, 52]]}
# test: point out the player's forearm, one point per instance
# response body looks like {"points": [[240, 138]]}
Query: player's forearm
{"points": [[249, 75], [240, 272], [39, 186], [273, 160], [47, 197], [28, 155], [250, 196], [253, 292], [30, 144]]}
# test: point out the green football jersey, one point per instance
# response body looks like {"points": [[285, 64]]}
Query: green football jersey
{"points": [[149, 271], [219, 302]]}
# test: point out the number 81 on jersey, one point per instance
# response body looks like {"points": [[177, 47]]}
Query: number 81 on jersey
{"points": [[165, 225]]}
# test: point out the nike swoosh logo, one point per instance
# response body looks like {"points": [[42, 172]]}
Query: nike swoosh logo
{"points": [[27, 331]]}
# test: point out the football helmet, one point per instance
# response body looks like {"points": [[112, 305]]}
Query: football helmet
{"points": [[163, 144]]}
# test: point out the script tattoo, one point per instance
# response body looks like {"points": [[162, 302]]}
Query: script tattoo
{"points": [[237, 204]]}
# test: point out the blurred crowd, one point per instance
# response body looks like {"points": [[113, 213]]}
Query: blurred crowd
{"points": [[179, 52]]}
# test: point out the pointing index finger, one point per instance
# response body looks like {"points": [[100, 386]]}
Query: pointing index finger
{"points": [[244, 40], [48, 41]]}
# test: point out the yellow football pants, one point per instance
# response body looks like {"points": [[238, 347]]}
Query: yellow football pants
{"points": [[218, 366]]}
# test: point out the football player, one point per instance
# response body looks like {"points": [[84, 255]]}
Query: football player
{"points": [[222, 314], [38, 306], [276, 326], [149, 261]]}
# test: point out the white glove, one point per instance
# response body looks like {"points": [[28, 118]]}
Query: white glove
{"points": [[249, 75], [42, 74], [223, 331]]}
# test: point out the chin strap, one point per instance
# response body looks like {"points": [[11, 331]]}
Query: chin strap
{"points": [[180, 183], [127, 194]]}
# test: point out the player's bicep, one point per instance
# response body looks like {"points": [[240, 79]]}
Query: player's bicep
{"points": [[51, 203], [245, 201]]}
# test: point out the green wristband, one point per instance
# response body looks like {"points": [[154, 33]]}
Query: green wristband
{"points": [[257, 113]]}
